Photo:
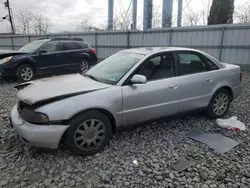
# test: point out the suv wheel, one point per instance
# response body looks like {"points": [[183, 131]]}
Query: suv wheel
{"points": [[84, 66], [88, 133], [25, 73], [219, 104]]}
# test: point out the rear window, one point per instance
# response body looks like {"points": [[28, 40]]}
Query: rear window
{"points": [[83, 45], [70, 46]]}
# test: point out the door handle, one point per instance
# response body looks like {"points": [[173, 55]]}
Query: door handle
{"points": [[173, 86], [209, 80]]}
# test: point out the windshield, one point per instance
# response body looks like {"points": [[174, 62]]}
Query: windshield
{"points": [[33, 46], [112, 69]]}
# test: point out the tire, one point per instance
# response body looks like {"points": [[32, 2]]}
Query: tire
{"points": [[85, 64], [25, 73], [84, 143], [219, 104]]}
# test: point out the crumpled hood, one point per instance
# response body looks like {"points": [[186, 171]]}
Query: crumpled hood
{"points": [[58, 87], [7, 53]]}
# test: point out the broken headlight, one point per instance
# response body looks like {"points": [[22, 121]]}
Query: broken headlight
{"points": [[31, 116]]}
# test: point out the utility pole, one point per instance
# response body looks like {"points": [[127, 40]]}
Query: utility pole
{"points": [[7, 4]]}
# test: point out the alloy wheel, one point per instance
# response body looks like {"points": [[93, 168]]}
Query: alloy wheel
{"points": [[84, 67], [220, 104], [90, 134], [26, 73]]}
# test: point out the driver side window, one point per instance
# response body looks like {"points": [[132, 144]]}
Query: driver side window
{"points": [[51, 47], [157, 67]]}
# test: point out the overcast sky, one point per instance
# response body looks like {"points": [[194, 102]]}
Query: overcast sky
{"points": [[67, 14]]}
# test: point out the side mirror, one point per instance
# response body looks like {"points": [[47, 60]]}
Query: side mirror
{"points": [[138, 79], [42, 52]]}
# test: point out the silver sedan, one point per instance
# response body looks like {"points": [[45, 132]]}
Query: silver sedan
{"points": [[129, 87]]}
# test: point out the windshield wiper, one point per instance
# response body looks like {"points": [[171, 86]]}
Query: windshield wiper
{"points": [[92, 77]]}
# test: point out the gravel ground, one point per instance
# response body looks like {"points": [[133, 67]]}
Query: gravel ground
{"points": [[155, 146]]}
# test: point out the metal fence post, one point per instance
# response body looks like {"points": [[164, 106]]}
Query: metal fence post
{"points": [[12, 43], [221, 42], [170, 37], [96, 40], [69, 36], [29, 38], [128, 45]]}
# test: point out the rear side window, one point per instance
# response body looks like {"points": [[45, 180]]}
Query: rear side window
{"points": [[83, 45], [191, 63], [69, 46]]}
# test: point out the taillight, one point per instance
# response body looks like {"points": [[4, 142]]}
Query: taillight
{"points": [[93, 50], [241, 76]]}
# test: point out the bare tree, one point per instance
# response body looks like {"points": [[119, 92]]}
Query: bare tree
{"points": [[41, 23], [156, 17], [86, 26], [206, 4], [191, 17], [122, 20], [24, 22], [29, 22], [242, 13]]}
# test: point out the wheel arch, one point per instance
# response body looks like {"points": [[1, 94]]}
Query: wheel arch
{"points": [[229, 89], [101, 110], [28, 61], [85, 56]]}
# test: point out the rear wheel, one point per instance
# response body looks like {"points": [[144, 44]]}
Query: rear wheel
{"points": [[88, 133], [219, 104], [25, 73], [84, 66]]}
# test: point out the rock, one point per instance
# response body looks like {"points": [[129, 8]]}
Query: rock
{"points": [[203, 175], [204, 186], [196, 179], [3, 182], [47, 182], [213, 186], [16, 178], [171, 175], [140, 173], [60, 184], [127, 183], [158, 177], [23, 168], [72, 183], [22, 184]]}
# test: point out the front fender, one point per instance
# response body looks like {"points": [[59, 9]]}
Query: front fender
{"points": [[109, 99]]}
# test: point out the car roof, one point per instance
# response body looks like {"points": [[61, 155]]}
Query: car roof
{"points": [[152, 50]]}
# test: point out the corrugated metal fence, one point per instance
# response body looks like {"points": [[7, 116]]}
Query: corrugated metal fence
{"points": [[228, 43]]}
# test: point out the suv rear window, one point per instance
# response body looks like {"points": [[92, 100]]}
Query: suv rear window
{"points": [[83, 45], [70, 46]]}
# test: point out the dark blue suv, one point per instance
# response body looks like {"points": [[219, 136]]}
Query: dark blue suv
{"points": [[47, 56]]}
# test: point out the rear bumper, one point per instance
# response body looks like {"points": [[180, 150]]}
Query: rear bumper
{"points": [[237, 91], [47, 136]]}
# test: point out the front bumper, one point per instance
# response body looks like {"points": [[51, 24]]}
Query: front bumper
{"points": [[47, 136]]}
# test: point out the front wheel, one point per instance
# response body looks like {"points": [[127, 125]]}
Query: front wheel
{"points": [[25, 73], [88, 133], [219, 104]]}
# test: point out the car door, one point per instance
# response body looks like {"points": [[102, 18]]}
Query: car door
{"points": [[71, 56], [197, 79], [48, 57], [158, 97]]}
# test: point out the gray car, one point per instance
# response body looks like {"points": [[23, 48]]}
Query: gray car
{"points": [[129, 87]]}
